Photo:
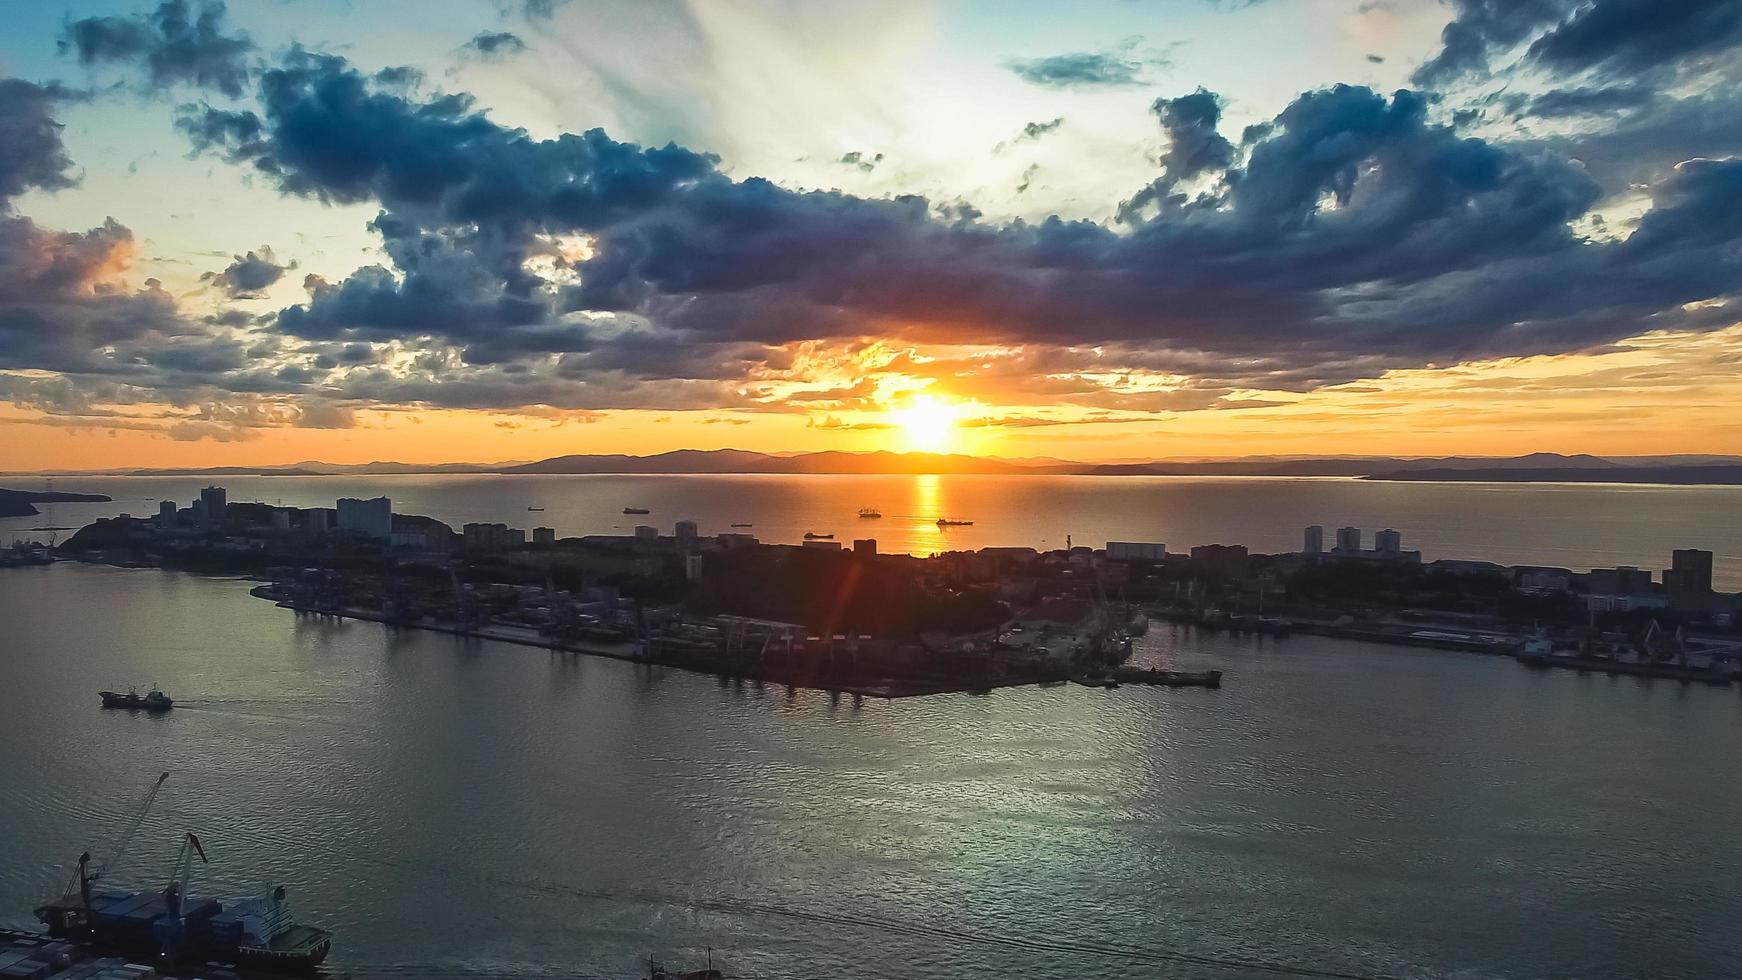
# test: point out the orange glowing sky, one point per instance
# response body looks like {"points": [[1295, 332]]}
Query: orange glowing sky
{"points": [[992, 228]]}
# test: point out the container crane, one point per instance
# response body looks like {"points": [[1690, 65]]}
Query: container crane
{"points": [[85, 876], [170, 927]]}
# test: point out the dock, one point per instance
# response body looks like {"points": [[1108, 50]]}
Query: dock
{"points": [[35, 956]]}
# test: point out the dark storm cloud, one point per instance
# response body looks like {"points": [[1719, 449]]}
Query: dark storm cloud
{"points": [[1619, 37], [1628, 36], [1115, 67], [177, 42], [61, 305], [1348, 226], [1194, 147], [250, 274], [497, 44], [1568, 102], [31, 154]]}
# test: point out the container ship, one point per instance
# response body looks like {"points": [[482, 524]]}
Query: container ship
{"points": [[171, 925]]}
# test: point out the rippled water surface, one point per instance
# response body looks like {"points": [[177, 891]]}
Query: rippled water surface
{"points": [[1578, 526], [472, 809]]}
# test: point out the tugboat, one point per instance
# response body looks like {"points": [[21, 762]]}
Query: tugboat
{"points": [[154, 700], [177, 928]]}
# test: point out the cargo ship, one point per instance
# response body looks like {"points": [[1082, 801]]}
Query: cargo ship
{"points": [[173, 926], [255, 932]]}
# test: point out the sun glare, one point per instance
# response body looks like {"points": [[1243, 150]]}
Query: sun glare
{"points": [[928, 424]]}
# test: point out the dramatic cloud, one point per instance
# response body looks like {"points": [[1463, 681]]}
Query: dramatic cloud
{"points": [[174, 43], [1194, 147], [1349, 225], [1116, 67], [250, 274], [31, 154], [1620, 37], [1350, 234], [496, 44]]}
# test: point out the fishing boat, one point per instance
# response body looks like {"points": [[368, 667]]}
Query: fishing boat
{"points": [[636, 510], [946, 522], [153, 700], [870, 513]]}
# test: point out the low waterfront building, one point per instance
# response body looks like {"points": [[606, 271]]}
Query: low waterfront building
{"points": [[1221, 559], [864, 546], [647, 532], [685, 529], [824, 545], [1622, 580], [479, 537], [544, 536], [1135, 551], [1533, 578]]}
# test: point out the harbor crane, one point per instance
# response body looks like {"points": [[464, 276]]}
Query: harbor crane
{"points": [[170, 928], [117, 850]]}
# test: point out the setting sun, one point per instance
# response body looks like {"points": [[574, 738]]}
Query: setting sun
{"points": [[928, 424]]}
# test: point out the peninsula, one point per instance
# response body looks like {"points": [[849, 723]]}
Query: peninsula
{"points": [[22, 503], [844, 616]]}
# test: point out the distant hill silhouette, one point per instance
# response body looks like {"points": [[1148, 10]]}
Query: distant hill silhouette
{"points": [[1532, 467], [1729, 474]]}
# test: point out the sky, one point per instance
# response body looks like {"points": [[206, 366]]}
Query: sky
{"points": [[284, 230]]}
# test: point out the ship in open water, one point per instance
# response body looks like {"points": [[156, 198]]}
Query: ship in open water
{"points": [[172, 926]]}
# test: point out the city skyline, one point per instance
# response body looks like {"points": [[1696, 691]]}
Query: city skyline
{"points": [[500, 230]]}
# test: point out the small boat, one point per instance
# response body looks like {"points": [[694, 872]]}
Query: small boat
{"points": [[870, 513], [154, 700], [656, 971], [636, 510], [813, 536], [946, 522], [744, 525]]}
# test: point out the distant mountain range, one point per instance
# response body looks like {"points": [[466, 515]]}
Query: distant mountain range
{"points": [[1535, 467]]}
